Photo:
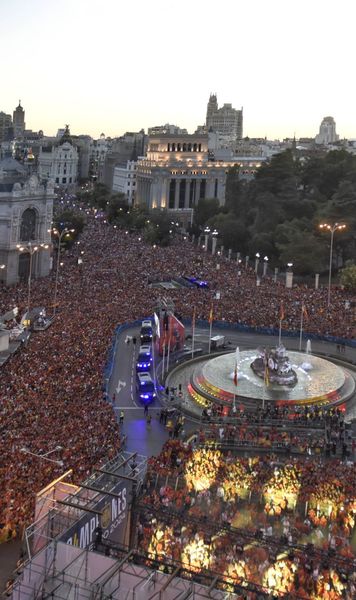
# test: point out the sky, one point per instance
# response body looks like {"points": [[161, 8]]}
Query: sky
{"points": [[113, 66]]}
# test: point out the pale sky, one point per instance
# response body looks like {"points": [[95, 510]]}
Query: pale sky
{"points": [[113, 66]]}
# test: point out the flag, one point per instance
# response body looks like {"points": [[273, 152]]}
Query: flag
{"points": [[266, 375], [235, 374], [304, 312], [281, 312], [211, 314]]}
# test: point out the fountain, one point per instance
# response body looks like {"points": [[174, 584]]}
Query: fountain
{"points": [[275, 365]]}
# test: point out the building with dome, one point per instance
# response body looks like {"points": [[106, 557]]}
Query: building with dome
{"points": [[59, 161], [26, 212]]}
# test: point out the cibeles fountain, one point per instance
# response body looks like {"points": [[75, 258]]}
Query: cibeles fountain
{"points": [[271, 375]]}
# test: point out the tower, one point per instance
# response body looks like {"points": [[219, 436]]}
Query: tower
{"points": [[211, 108], [19, 121]]}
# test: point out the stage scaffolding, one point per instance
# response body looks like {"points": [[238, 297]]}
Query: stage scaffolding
{"points": [[62, 572]]}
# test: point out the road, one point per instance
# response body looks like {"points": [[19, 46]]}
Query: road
{"points": [[148, 441]]}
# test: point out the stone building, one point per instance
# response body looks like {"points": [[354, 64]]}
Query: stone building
{"points": [[124, 180], [177, 172], [226, 121], [19, 121], [26, 211], [6, 129], [327, 132], [59, 161]]}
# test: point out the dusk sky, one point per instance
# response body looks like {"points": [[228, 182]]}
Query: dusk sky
{"points": [[114, 66]]}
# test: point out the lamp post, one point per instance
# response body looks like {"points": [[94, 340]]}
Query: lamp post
{"points": [[332, 229], [257, 255], [214, 234], [265, 265], [289, 275], [45, 455], [206, 234], [30, 249], [60, 235]]}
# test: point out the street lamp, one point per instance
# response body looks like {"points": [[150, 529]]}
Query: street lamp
{"points": [[30, 249], [257, 255], [60, 235], [332, 229], [206, 232], [214, 234], [44, 456], [265, 264]]}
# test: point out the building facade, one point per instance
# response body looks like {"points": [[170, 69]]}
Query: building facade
{"points": [[227, 121], [177, 172], [59, 161], [6, 129], [327, 132], [124, 180], [19, 121], [26, 212]]}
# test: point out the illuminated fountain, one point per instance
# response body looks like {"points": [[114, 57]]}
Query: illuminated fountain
{"points": [[295, 378]]}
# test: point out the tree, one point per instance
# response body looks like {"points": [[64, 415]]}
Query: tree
{"points": [[348, 277], [232, 232], [297, 243], [207, 208], [69, 219]]}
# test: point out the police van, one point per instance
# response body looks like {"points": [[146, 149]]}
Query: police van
{"points": [[146, 332], [145, 387]]}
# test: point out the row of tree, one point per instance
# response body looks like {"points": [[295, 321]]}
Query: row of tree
{"points": [[278, 213]]}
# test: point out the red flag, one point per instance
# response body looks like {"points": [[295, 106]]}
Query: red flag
{"points": [[281, 312], [211, 314], [235, 374]]}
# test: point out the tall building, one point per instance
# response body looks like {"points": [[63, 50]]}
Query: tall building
{"points": [[59, 161], [124, 180], [26, 211], [226, 121], [327, 132], [19, 121], [6, 130]]}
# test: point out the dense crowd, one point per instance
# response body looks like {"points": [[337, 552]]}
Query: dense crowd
{"points": [[51, 390], [284, 525]]}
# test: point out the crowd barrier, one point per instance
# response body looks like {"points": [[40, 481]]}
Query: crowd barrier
{"points": [[270, 331]]}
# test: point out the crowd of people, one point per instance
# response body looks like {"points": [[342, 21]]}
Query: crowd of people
{"points": [[51, 390], [285, 525]]}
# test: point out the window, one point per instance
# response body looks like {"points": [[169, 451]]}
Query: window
{"points": [[28, 225], [64, 180]]}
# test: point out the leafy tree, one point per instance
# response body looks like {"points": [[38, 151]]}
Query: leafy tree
{"points": [[232, 232], [207, 208], [348, 277], [299, 245]]}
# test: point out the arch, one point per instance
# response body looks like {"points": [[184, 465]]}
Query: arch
{"points": [[178, 147], [194, 147], [184, 147], [189, 147], [173, 147], [28, 225]]}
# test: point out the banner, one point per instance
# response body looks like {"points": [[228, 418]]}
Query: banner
{"points": [[113, 521]]}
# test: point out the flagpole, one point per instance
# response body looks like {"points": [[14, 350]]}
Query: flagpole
{"points": [[193, 332], [280, 333], [301, 329], [210, 328], [164, 353], [168, 351]]}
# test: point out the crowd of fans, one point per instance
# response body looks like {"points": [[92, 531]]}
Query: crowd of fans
{"points": [[284, 525], [51, 390]]}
